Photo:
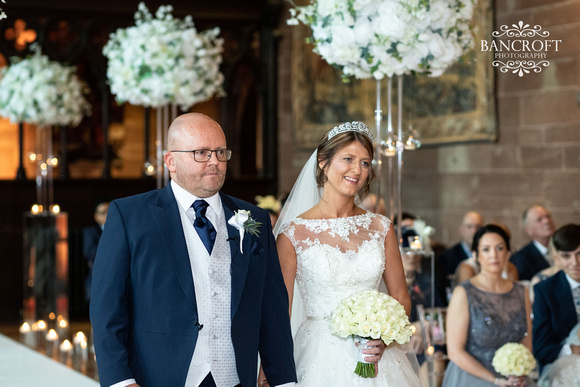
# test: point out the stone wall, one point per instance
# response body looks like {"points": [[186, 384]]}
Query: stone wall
{"points": [[535, 160]]}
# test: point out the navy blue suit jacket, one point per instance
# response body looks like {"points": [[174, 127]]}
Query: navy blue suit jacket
{"points": [[554, 317], [529, 261], [143, 306], [452, 257]]}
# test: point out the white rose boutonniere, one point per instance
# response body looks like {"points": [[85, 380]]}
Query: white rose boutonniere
{"points": [[243, 221]]}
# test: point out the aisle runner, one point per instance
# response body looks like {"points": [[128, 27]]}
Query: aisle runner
{"points": [[20, 366]]}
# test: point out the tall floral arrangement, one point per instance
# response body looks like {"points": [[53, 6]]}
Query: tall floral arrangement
{"points": [[164, 60], [2, 13], [42, 92], [378, 38]]}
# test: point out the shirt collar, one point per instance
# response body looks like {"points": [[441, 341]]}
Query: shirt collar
{"points": [[466, 249], [186, 199], [543, 249], [573, 283]]}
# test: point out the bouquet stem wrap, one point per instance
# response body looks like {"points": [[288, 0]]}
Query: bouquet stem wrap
{"points": [[363, 368]]}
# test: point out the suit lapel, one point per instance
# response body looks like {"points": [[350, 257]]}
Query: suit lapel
{"points": [[240, 262], [166, 216], [564, 294]]}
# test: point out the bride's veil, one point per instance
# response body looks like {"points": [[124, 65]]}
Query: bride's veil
{"points": [[304, 195]]}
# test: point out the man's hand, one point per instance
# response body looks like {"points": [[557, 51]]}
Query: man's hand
{"points": [[575, 348]]}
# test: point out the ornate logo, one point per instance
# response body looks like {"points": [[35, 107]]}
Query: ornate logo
{"points": [[527, 52]]}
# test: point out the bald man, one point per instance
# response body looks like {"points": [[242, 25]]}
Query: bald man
{"points": [[532, 258], [184, 293], [451, 258]]}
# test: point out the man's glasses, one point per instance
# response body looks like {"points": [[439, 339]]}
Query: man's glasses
{"points": [[203, 155]]}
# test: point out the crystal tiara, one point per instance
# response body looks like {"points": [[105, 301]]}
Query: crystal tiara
{"points": [[354, 126]]}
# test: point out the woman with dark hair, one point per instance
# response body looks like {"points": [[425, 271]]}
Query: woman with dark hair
{"points": [[329, 249], [486, 312]]}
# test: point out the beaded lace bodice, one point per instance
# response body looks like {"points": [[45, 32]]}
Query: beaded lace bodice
{"points": [[336, 258]]}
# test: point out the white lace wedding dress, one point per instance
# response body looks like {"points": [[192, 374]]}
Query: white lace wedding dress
{"points": [[336, 258]]}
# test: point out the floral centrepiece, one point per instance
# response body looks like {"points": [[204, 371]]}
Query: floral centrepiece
{"points": [[378, 38], [164, 60], [268, 202], [42, 92], [243, 221], [513, 359], [424, 232], [371, 315]]}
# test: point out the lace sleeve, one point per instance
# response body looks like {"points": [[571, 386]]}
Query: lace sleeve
{"points": [[288, 229], [386, 225]]}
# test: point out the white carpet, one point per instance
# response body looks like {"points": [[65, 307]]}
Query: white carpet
{"points": [[21, 366]]}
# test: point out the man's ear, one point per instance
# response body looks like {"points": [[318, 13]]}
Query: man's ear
{"points": [[170, 161]]}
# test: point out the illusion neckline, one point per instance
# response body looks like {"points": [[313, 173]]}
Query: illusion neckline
{"points": [[339, 218]]}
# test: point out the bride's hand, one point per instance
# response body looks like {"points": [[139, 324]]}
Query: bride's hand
{"points": [[375, 348]]}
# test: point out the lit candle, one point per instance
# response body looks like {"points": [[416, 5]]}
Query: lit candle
{"points": [[65, 351], [41, 329], [41, 325], [79, 336], [84, 351], [62, 327], [415, 243], [27, 336], [66, 346], [51, 345]]}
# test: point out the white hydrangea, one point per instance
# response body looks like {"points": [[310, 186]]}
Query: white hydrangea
{"points": [[2, 13], [513, 359], [378, 38], [42, 92], [371, 315], [163, 60]]}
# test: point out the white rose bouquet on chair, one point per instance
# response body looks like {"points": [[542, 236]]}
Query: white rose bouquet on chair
{"points": [[370, 315], [513, 359]]}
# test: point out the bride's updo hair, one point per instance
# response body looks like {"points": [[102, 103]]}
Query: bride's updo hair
{"points": [[329, 147]]}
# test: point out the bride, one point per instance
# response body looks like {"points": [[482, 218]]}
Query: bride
{"points": [[329, 248]]}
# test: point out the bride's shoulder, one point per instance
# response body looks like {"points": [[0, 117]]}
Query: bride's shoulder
{"points": [[308, 215]]}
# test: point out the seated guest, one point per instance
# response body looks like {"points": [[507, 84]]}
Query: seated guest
{"points": [[451, 258], [486, 312], [91, 237], [557, 308], [469, 268], [532, 258]]}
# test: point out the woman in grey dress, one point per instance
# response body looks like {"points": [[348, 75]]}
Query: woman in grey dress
{"points": [[486, 312]]}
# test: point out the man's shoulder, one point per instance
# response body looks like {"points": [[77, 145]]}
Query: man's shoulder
{"points": [[550, 283], [454, 250], [140, 198], [525, 250]]}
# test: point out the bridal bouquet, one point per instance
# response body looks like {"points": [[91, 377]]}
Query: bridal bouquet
{"points": [[370, 315], [164, 60], [378, 38], [513, 359], [42, 92], [2, 13]]}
